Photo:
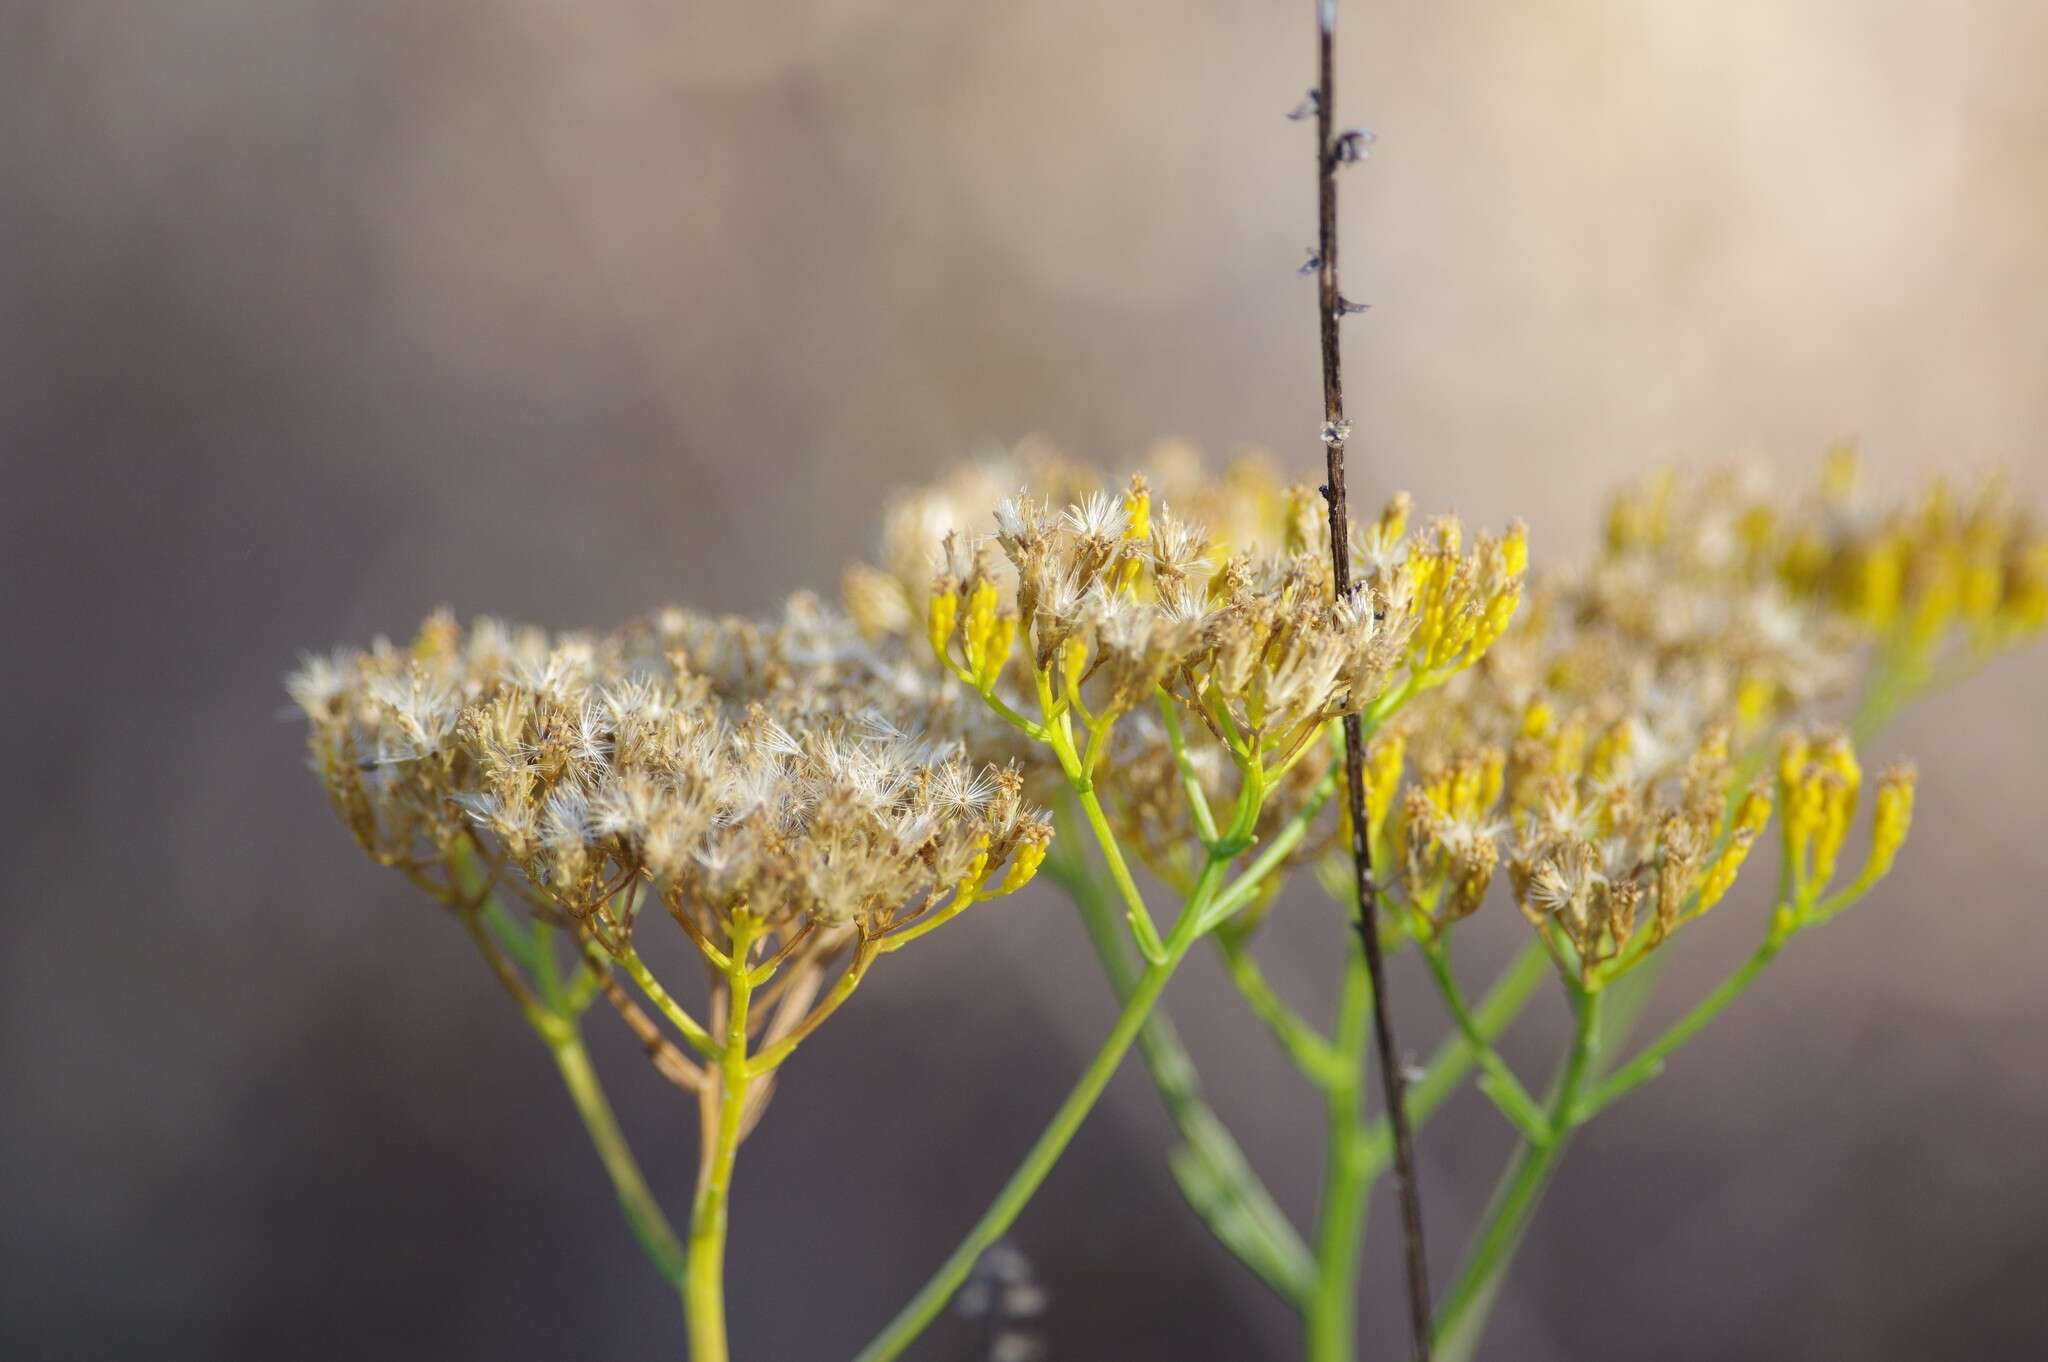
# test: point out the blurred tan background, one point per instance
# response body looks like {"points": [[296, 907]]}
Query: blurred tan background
{"points": [[314, 314]]}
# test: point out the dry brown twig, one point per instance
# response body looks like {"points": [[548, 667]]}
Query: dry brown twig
{"points": [[1331, 151]]}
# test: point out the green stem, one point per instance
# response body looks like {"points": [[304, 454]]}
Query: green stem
{"points": [[1454, 1058], [1310, 1051], [1010, 1201], [636, 1200], [1332, 1309], [554, 1020], [1212, 1170], [704, 1291], [1498, 1081], [1190, 781], [643, 979], [1142, 927], [1650, 1062], [1276, 849], [1466, 1308]]}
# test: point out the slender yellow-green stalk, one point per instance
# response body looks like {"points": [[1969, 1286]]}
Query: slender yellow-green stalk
{"points": [[555, 1017], [911, 1320], [637, 1203], [1010, 1201], [1497, 1080], [1462, 1318], [1211, 1169], [1331, 1310], [704, 1289]]}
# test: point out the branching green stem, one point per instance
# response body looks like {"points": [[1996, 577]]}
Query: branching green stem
{"points": [[1212, 1170], [1312, 1053], [1276, 850], [1038, 1161], [637, 1203], [1143, 931], [643, 978], [1498, 1081], [1454, 1058], [1331, 1314], [1190, 781], [555, 1019], [1462, 1318], [1650, 1063], [1052, 1142], [1081, 777]]}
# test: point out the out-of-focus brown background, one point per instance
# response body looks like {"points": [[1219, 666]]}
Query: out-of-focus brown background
{"points": [[314, 314]]}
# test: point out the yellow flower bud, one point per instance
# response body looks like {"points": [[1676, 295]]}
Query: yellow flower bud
{"points": [[1394, 519], [1755, 698], [1840, 780], [1138, 508], [1891, 821], [970, 881], [1024, 863], [977, 631], [1755, 810], [1833, 804], [1791, 762], [940, 617], [1802, 806], [999, 644], [2023, 606], [1493, 779], [1073, 661], [1608, 752], [1500, 612], [1383, 775], [1983, 582], [1937, 602], [1876, 583], [1514, 549]]}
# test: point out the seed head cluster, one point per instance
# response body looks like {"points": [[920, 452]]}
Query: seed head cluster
{"points": [[1196, 657], [733, 768]]}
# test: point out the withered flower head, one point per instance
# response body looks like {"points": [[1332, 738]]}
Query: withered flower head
{"points": [[773, 770]]}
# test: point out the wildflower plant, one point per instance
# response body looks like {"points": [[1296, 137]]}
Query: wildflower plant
{"points": [[752, 785], [1605, 747], [1607, 762], [1175, 670]]}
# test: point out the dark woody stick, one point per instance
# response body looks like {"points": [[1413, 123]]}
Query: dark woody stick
{"points": [[1331, 150]]}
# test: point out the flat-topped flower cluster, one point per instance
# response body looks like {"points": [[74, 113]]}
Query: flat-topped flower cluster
{"points": [[1158, 665], [735, 767]]}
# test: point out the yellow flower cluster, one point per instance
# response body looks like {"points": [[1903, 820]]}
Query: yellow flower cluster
{"points": [[1069, 621], [1819, 785], [1942, 581], [1607, 852]]}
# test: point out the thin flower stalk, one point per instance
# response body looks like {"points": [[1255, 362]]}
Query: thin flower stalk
{"points": [[761, 786], [1460, 1319], [1817, 787], [1330, 1314], [1107, 605], [1208, 1165], [1052, 1142]]}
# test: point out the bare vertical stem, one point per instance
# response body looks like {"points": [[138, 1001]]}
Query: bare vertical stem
{"points": [[1329, 303]]}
